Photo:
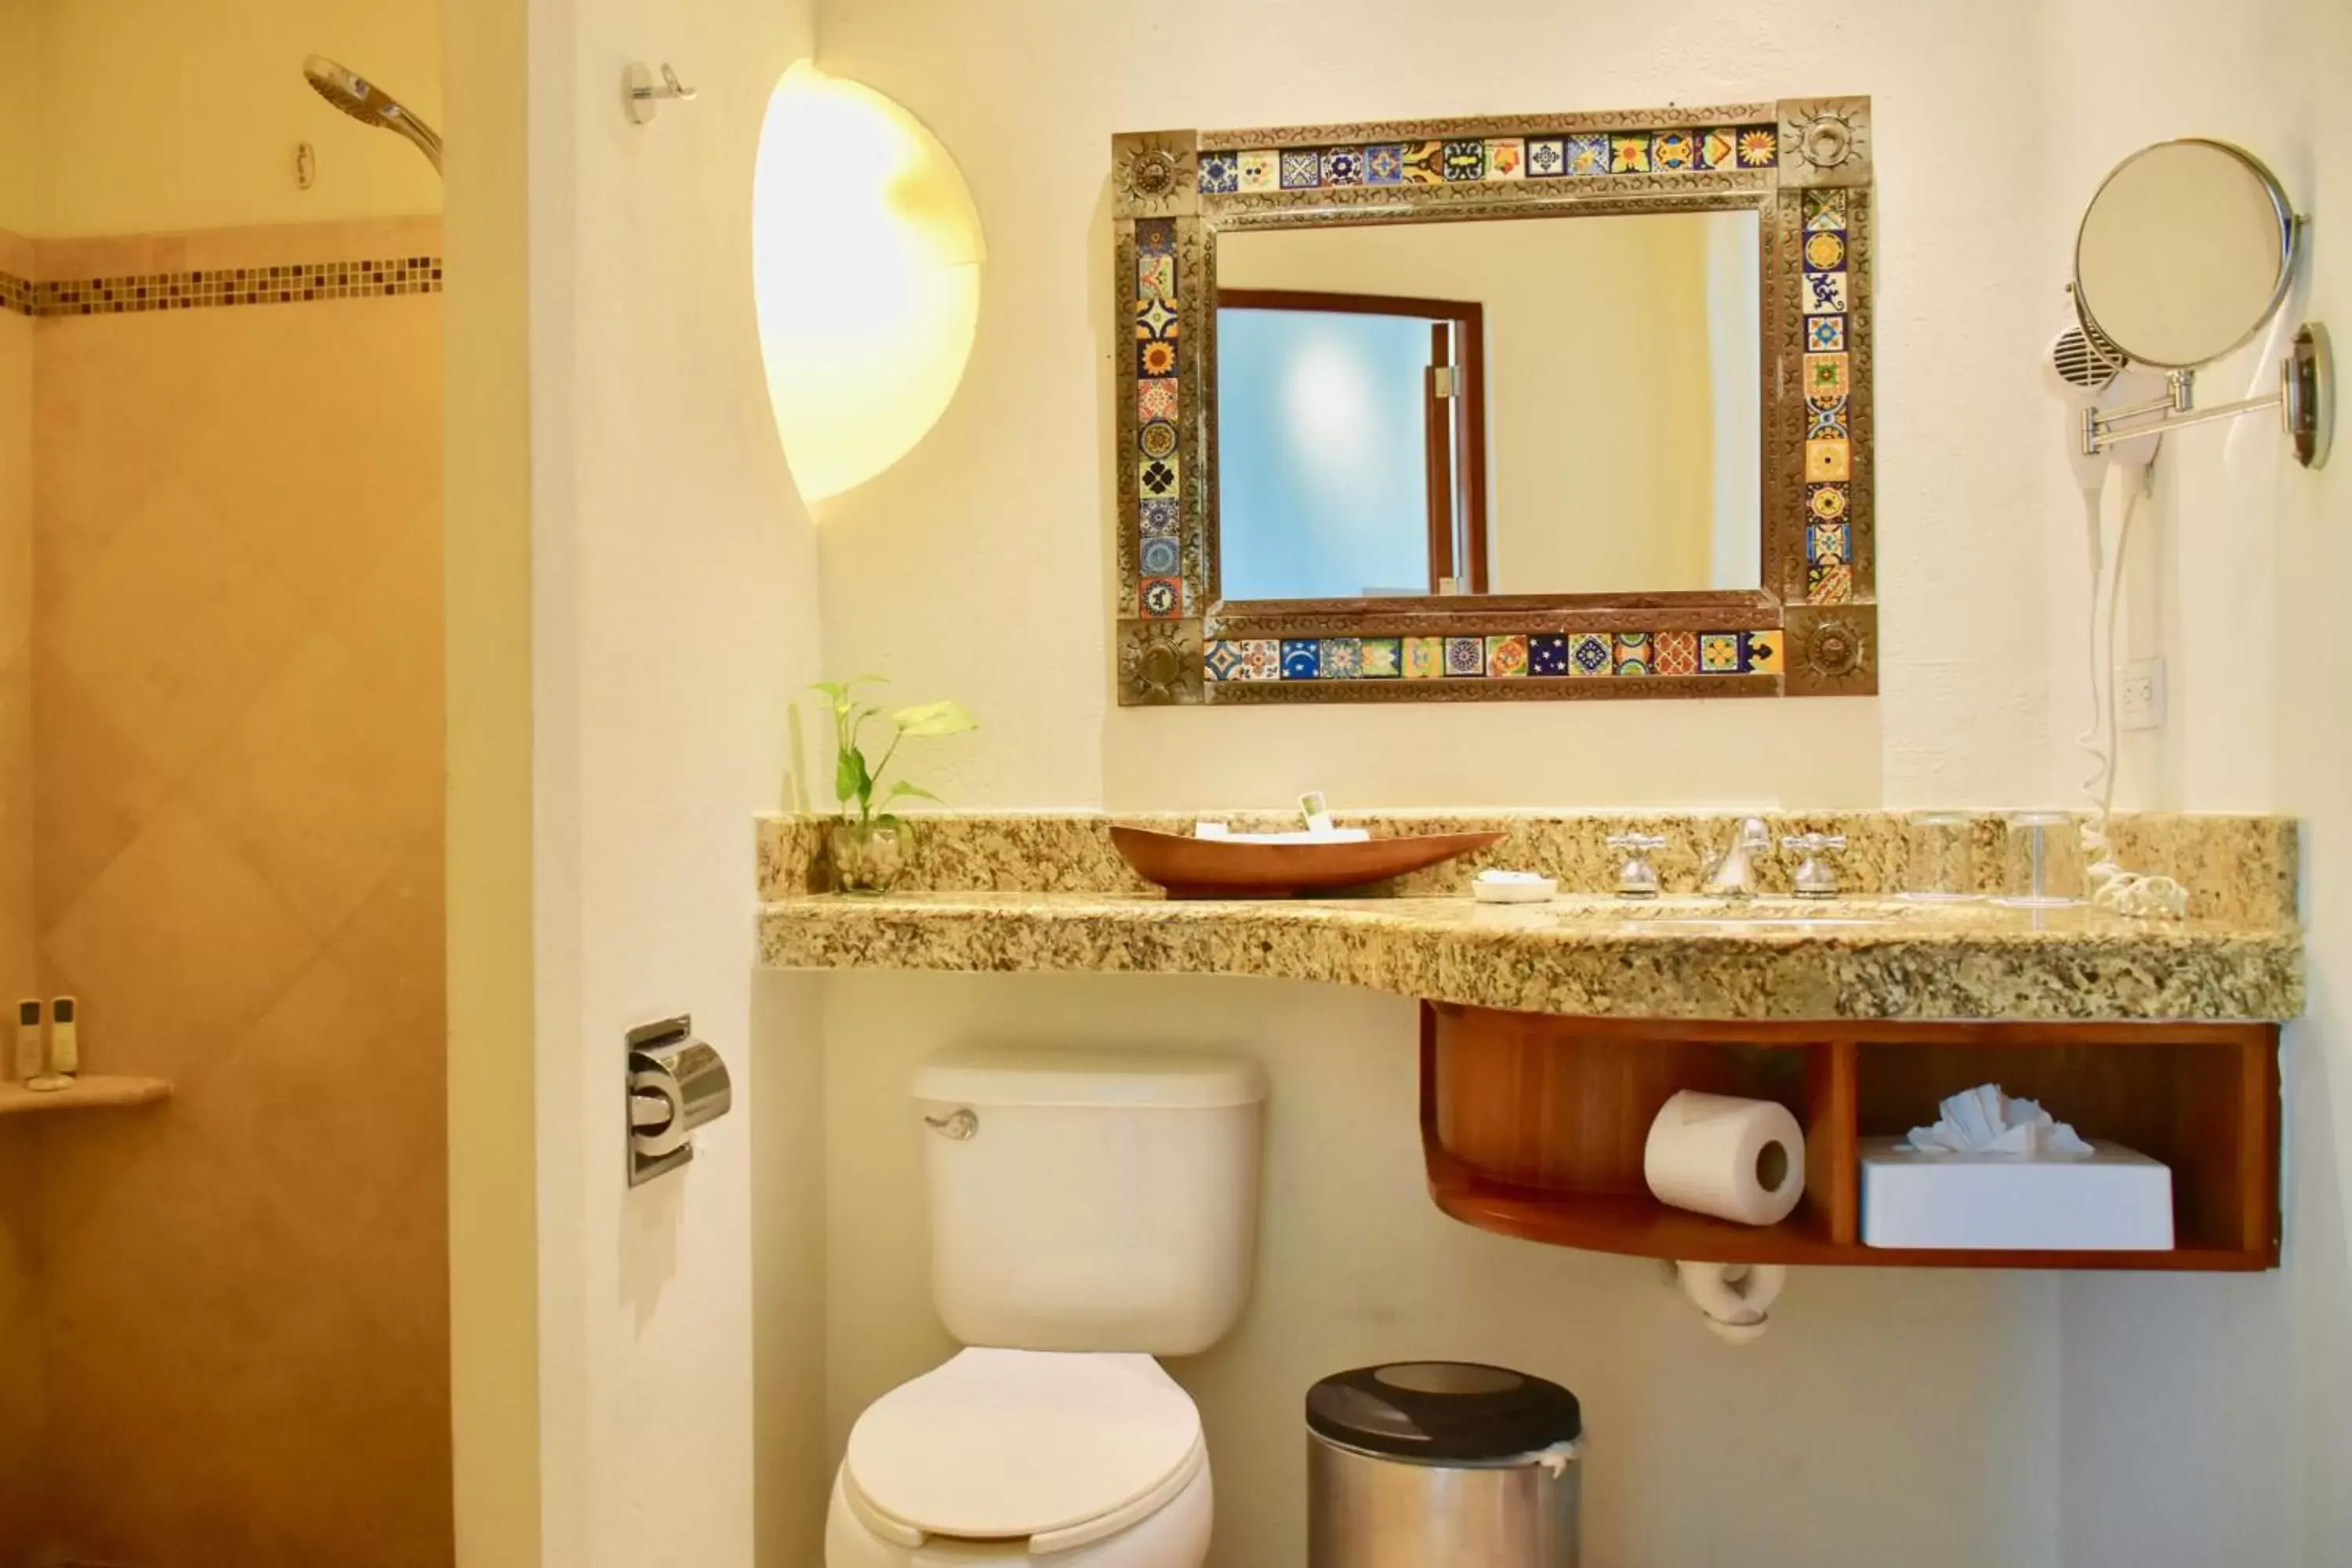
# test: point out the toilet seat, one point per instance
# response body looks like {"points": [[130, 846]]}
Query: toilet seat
{"points": [[1059, 1448]]}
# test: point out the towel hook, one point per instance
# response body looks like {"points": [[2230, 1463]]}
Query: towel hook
{"points": [[642, 95]]}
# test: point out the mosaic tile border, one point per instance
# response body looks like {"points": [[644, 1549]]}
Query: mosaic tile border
{"points": [[1803, 164], [290, 283]]}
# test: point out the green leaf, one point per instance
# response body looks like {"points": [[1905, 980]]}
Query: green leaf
{"points": [[941, 718], [837, 693], [903, 788], [850, 781]]}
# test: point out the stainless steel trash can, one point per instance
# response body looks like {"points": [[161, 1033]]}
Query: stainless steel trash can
{"points": [[1423, 1463]]}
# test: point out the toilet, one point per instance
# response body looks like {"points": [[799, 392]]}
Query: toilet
{"points": [[1089, 1212]]}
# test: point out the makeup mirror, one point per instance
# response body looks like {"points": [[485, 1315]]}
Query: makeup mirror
{"points": [[2184, 253]]}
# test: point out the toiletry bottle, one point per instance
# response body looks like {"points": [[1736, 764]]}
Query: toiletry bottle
{"points": [[28, 1058], [65, 1041]]}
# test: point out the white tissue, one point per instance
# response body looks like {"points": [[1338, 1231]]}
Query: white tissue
{"points": [[1300, 835], [1983, 1121]]}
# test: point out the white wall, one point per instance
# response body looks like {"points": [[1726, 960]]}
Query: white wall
{"points": [[2208, 1420], [668, 594], [978, 565]]}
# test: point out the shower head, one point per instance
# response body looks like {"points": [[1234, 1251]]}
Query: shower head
{"points": [[369, 104]]}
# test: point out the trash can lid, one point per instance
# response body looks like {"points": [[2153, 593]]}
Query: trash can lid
{"points": [[1441, 1412]]}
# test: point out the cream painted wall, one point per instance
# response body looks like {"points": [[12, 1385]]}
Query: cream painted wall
{"points": [[2207, 1421], [20, 113], [652, 545], [978, 565], [1887, 1415], [210, 141], [21, 1402], [1594, 414]]}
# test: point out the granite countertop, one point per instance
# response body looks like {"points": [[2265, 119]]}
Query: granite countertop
{"points": [[1866, 956]]}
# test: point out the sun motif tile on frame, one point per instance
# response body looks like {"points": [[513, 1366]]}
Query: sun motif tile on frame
{"points": [[1160, 556], [1162, 599], [1676, 653], [1343, 166], [1590, 653], [1825, 293], [1302, 168], [1546, 158], [1341, 658], [1826, 502], [1381, 658], [1302, 658], [1718, 149], [1424, 658], [1825, 210], [1507, 158], [1465, 161], [1825, 335], [1506, 656], [1673, 150], [1385, 164], [1719, 653], [1260, 169], [1156, 359], [1759, 146], [1155, 400], [1158, 517], [1466, 656], [1761, 653], [1629, 154], [1829, 461], [1634, 654], [1221, 174], [1547, 653], [1588, 155], [1825, 251]]}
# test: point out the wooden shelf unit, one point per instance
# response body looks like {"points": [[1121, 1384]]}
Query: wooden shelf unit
{"points": [[1533, 1124], [95, 1092]]}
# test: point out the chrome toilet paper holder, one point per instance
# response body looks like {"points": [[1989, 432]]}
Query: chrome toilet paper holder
{"points": [[676, 1083]]}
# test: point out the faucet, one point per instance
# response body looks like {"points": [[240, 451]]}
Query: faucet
{"points": [[1732, 874]]}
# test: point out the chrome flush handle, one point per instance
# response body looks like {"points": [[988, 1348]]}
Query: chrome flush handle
{"points": [[959, 1125]]}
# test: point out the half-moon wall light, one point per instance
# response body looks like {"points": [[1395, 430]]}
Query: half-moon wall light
{"points": [[866, 251]]}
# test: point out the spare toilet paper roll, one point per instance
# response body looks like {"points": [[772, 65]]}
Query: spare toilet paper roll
{"points": [[1736, 1159]]}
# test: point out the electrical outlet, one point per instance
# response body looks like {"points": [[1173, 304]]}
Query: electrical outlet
{"points": [[2139, 695]]}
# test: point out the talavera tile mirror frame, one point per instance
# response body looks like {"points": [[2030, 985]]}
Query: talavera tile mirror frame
{"points": [[1811, 630]]}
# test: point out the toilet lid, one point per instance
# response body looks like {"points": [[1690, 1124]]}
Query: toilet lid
{"points": [[1007, 1444]]}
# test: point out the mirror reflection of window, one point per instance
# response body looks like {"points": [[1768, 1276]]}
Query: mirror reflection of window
{"points": [[1618, 392]]}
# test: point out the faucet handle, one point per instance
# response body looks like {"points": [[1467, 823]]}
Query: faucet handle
{"points": [[1636, 878], [1816, 877]]}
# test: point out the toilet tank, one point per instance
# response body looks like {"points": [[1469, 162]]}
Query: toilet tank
{"points": [[1091, 1200]]}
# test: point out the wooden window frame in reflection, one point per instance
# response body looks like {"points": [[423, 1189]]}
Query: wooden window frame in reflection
{"points": [[1810, 628], [1454, 424]]}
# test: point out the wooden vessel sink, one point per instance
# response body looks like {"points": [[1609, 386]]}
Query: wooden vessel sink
{"points": [[1191, 867]]}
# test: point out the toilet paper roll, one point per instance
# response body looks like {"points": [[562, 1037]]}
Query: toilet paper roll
{"points": [[1740, 1160]]}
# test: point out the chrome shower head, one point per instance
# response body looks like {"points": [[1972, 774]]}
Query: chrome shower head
{"points": [[369, 104]]}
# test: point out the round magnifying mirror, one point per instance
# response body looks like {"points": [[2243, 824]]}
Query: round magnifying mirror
{"points": [[2185, 252]]}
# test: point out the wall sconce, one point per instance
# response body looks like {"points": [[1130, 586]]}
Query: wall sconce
{"points": [[867, 252]]}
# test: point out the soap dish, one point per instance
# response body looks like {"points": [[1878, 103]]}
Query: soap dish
{"points": [[1513, 887]]}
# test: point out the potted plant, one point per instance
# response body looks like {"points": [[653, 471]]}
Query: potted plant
{"points": [[871, 845]]}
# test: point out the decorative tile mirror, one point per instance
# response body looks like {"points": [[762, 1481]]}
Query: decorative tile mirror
{"points": [[1388, 430]]}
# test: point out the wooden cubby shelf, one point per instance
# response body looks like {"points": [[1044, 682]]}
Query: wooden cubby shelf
{"points": [[1533, 1124]]}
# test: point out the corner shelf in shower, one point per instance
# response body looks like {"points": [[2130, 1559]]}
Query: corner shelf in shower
{"points": [[1533, 1124], [93, 1092]]}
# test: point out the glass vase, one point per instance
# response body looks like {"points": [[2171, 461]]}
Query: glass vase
{"points": [[869, 856]]}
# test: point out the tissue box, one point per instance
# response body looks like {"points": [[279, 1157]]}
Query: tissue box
{"points": [[2110, 1200]]}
